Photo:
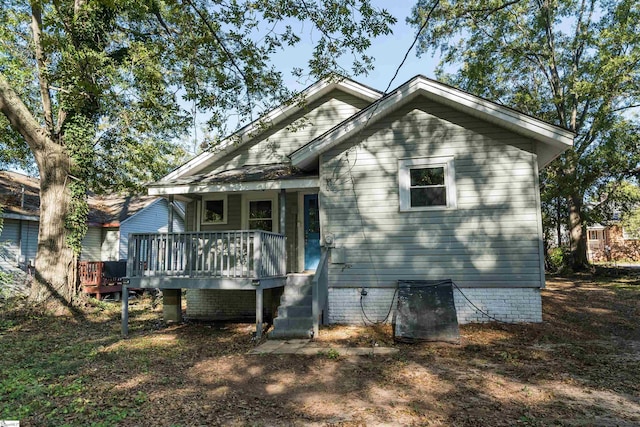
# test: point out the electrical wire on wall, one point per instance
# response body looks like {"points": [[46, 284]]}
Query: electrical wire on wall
{"points": [[350, 166], [395, 293]]}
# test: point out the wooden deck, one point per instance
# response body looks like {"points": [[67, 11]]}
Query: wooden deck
{"points": [[241, 260]]}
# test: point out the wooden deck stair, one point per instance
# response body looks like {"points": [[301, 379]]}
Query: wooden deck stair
{"points": [[294, 319]]}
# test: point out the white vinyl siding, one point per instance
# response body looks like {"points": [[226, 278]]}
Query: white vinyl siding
{"points": [[92, 245], [110, 244], [493, 237], [18, 246], [18, 243], [9, 250], [152, 219]]}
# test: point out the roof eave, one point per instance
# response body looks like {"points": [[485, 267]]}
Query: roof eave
{"points": [[274, 117], [555, 139], [231, 187]]}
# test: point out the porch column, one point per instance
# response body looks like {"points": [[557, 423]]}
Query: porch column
{"points": [[283, 205], [172, 305], [259, 307], [170, 225]]}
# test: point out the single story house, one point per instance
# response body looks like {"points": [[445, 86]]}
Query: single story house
{"points": [[111, 219], [315, 217]]}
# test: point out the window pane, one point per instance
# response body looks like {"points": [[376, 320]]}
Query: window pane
{"points": [[427, 176], [214, 211], [435, 196], [261, 224], [259, 209]]}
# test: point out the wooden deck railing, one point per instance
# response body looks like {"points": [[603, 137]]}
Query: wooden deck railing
{"points": [[320, 291], [230, 254]]}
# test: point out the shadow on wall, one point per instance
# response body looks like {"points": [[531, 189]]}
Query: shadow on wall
{"points": [[491, 238]]}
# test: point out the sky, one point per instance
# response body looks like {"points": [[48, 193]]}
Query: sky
{"points": [[388, 52]]}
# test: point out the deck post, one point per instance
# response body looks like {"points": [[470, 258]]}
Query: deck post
{"points": [[125, 311], [257, 254], [170, 224], [259, 307], [172, 305], [283, 210]]}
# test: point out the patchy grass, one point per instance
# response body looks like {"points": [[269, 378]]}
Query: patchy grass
{"points": [[580, 367]]}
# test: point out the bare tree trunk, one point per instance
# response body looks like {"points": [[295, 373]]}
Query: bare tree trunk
{"points": [[577, 233], [55, 284]]}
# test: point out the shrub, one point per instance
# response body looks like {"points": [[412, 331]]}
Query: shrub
{"points": [[558, 259]]}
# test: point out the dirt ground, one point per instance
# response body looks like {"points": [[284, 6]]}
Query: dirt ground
{"points": [[580, 367]]}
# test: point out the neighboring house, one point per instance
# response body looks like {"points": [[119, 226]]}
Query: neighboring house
{"points": [[19, 236], [426, 182], [111, 219], [612, 243]]}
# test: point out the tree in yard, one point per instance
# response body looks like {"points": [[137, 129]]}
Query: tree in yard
{"points": [[90, 91], [575, 63]]}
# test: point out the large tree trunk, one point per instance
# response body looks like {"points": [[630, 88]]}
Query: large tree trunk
{"points": [[56, 269], [577, 233]]}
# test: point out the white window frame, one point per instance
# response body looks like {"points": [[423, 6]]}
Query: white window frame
{"points": [[225, 209], [257, 196], [404, 181]]}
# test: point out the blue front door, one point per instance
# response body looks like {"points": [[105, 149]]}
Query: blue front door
{"points": [[311, 232]]}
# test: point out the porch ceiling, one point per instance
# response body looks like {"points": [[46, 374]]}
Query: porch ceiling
{"points": [[246, 178]]}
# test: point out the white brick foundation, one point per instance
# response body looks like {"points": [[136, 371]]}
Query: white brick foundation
{"points": [[506, 304], [214, 304]]}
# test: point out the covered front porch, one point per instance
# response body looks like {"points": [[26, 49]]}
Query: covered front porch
{"points": [[243, 236]]}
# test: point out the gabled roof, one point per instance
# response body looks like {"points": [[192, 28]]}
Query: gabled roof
{"points": [[275, 116], [111, 210], [553, 139], [103, 210]]}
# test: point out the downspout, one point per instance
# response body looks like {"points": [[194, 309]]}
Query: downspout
{"points": [[170, 225]]}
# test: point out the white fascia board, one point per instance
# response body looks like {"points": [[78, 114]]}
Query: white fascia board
{"points": [[498, 114], [275, 116], [234, 187], [556, 139], [306, 155]]}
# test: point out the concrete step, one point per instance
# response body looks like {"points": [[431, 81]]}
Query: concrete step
{"points": [[294, 311], [295, 300], [291, 333], [298, 279], [303, 289], [292, 323]]}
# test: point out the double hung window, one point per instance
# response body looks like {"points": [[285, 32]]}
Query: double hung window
{"points": [[427, 183]]}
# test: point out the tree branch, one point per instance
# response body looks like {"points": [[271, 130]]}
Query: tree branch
{"points": [[557, 84], [491, 11], [20, 118], [224, 49], [36, 28]]}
